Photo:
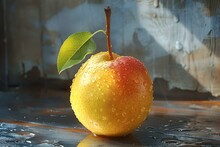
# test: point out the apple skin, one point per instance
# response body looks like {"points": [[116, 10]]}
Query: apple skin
{"points": [[111, 97]]}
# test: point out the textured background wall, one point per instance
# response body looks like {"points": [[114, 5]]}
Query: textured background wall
{"points": [[178, 40]]}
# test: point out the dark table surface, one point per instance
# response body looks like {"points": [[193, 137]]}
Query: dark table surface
{"points": [[44, 118]]}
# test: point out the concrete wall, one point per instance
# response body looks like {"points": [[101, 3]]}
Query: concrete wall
{"points": [[178, 40]]}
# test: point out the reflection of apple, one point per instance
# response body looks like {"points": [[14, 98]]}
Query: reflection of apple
{"points": [[92, 140], [111, 97]]}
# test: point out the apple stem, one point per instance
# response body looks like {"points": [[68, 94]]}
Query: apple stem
{"points": [[108, 39]]}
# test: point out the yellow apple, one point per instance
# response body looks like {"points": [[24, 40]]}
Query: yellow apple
{"points": [[111, 97]]}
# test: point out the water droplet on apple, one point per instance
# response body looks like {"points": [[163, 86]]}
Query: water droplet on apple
{"points": [[123, 114], [113, 109], [97, 85], [143, 109], [95, 124], [151, 88], [136, 81], [104, 118]]}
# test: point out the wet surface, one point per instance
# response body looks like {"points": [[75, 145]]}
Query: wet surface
{"points": [[44, 118]]}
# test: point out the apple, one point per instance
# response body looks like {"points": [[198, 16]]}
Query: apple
{"points": [[111, 95]]}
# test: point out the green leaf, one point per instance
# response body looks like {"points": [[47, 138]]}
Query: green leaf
{"points": [[74, 49]]}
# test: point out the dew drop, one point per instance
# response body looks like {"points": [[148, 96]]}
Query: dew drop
{"points": [[155, 15], [178, 46], [180, 121], [176, 19], [156, 3], [154, 137], [28, 141], [208, 128], [170, 141], [62, 115], [166, 125]]}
